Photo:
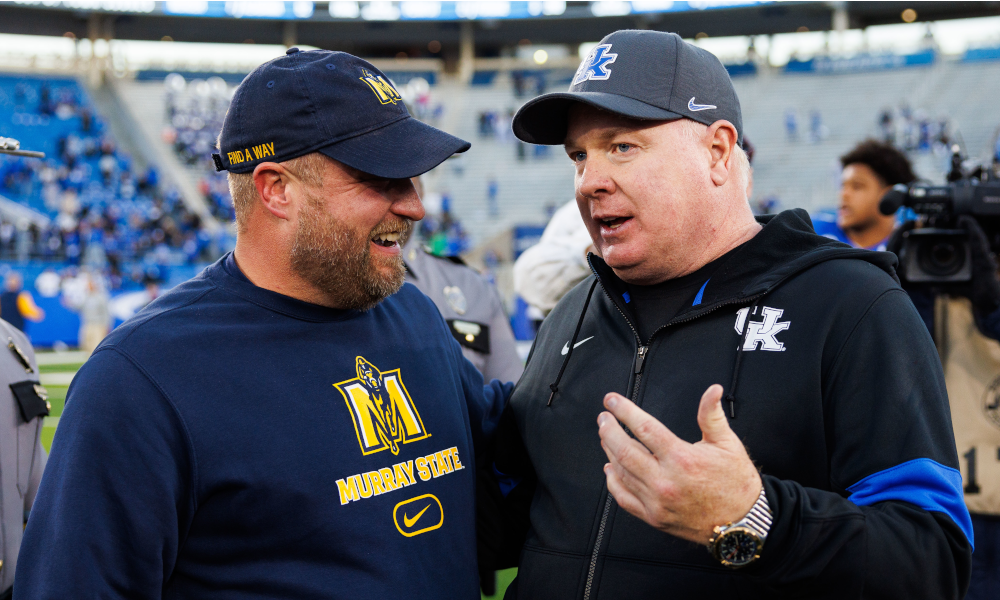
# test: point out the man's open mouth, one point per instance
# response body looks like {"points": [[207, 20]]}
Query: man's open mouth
{"points": [[387, 240], [614, 222]]}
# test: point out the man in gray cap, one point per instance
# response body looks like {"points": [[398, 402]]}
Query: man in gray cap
{"points": [[294, 422], [23, 406], [826, 466]]}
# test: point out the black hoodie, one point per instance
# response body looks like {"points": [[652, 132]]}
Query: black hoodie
{"points": [[831, 381]]}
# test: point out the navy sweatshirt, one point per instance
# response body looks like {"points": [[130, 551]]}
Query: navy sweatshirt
{"points": [[231, 442]]}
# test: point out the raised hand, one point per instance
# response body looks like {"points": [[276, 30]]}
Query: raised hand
{"points": [[680, 488]]}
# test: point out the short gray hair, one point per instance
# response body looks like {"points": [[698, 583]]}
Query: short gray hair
{"points": [[740, 161], [308, 168]]}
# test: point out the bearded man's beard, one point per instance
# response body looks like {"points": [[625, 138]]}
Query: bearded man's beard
{"points": [[339, 262]]}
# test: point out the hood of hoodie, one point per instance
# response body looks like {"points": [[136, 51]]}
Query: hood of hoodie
{"points": [[784, 247]]}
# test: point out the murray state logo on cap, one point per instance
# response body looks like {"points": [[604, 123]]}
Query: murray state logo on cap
{"points": [[383, 89], [595, 65]]}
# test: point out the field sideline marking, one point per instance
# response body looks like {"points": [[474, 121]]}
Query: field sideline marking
{"points": [[62, 378], [61, 358]]}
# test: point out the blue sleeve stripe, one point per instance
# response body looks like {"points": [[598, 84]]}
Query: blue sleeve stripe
{"points": [[923, 482]]}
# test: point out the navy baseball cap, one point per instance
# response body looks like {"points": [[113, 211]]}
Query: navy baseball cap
{"points": [[648, 75], [333, 103]]}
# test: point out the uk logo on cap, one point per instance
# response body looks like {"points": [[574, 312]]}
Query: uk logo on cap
{"points": [[595, 66]]}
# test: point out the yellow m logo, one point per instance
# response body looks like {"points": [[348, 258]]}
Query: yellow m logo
{"points": [[383, 413], [383, 89]]}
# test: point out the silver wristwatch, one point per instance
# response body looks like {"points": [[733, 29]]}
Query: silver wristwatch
{"points": [[738, 544]]}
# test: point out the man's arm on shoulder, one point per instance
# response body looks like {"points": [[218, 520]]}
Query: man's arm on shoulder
{"points": [[904, 530], [116, 494]]}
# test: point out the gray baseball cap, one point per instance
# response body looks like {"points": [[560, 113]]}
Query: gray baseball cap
{"points": [[649, 75]]}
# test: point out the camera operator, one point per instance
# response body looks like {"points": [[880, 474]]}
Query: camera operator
{"points": [[951, 276]]}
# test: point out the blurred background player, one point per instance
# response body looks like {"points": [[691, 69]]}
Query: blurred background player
{"points": [[17, 305], [23, 405], [869, 170]]}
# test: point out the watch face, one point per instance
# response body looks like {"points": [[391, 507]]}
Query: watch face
{"points": [[737, 547]]}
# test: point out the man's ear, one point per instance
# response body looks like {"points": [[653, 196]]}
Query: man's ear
{"points": [[271, 181], [721, 136]]}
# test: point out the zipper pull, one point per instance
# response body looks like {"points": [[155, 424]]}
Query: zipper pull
{"points": [[640, 358]]}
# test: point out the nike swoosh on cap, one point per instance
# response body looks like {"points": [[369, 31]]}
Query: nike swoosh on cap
{"points": [[565, 348], [409, 522], [696, 107]]}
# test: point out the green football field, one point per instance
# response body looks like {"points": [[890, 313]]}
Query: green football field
{"points": [[56, 370]]}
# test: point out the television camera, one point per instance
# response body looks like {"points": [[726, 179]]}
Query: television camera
{"points": [[938, 252]]}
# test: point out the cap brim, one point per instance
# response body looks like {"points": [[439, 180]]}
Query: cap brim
{"points": [[544, 119], [405, 148]]}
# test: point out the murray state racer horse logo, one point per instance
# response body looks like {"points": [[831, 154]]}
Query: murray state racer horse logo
{"points": [[383, 413]]}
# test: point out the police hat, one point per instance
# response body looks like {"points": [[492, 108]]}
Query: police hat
{"points": [[333, 103]]}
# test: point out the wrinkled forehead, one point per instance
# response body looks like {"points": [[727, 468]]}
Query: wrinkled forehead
{"points": [[589, 124]]}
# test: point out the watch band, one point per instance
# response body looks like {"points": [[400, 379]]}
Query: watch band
{"points": [[759, 517]]}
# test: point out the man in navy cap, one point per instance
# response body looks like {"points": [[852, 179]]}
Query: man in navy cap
{"points": [[729, 407], [292, 423]]}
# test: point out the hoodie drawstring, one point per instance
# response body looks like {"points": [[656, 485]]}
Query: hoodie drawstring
{"points": [[554, 386], [731, 396]]}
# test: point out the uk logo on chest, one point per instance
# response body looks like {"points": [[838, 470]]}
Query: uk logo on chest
{"points": [[762, 334]]}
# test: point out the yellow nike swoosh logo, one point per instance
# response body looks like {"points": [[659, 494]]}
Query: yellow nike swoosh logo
{"points": [[409, 522]]}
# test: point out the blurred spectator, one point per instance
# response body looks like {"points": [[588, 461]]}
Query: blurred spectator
{"points": [[914, 130], [887, 127], [817, 130], [95, 317], [442, 233], [194, 112], [492, 191], [48, 283], [17, 304], [791, 124], [768, 205], [124, 306]]}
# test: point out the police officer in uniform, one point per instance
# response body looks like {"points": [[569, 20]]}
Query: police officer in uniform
{"points": [[23, 405], [471, 307]]}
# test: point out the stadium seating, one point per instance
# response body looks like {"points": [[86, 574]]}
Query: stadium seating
{"points": [[89, 204], [528, 182], [804, 174]]}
